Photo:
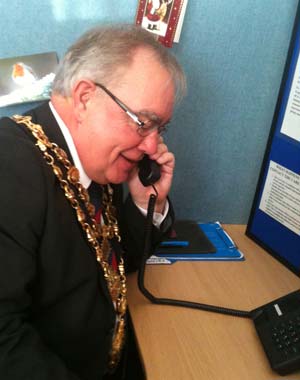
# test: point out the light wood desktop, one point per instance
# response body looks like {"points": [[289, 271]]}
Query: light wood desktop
{"points": [[185, 344]]}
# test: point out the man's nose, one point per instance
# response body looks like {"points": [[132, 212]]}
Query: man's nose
{"points": [[149, 143]]}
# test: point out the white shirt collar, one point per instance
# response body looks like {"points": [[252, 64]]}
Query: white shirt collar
{"points": [[84, 179]]}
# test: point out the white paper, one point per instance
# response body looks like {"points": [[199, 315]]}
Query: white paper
{"points": [[281, 196], [291, 122]]}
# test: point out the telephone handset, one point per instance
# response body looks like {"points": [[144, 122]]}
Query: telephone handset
{"points": [[149, 171]]}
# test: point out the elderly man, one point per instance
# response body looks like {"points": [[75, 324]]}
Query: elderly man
{"points": [[62, 266]]}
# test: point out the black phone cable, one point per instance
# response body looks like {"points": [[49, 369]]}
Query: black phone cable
{"points": [[167, 301]]}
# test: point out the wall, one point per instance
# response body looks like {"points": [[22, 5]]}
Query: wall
{"points": [[233, 53]]}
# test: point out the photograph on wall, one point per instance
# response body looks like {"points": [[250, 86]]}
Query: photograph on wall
{"points": [[156, 16], [26, 78], [163, 18]]}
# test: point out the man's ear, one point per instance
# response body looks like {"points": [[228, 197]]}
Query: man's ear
{"points": [[82, 93]]}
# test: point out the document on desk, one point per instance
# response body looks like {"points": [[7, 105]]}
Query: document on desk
{"points": [[224, 248]]}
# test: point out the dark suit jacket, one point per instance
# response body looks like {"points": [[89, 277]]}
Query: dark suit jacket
{"points": [[56, 316]]}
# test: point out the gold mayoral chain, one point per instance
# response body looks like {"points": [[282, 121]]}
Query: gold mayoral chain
{"points": [[97, 234]]}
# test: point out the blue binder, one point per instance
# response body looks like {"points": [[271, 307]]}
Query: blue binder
{"points": [[226, 250]]}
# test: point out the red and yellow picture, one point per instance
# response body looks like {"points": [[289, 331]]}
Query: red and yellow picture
{"points": [[156, 16], [161, 17]]}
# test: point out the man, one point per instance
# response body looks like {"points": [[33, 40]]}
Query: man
{"points": [[62, 286]]}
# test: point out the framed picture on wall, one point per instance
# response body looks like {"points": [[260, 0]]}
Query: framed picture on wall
{"points": [[163, 18], [26, 78]]}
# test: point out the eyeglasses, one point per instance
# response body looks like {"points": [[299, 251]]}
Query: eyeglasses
{"points": [[146, 122]]}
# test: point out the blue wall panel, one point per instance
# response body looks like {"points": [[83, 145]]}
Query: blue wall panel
{"points": [[233, 53]]}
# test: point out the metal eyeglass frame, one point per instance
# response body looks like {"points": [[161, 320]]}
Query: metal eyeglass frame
{"points": [[142, 126]]}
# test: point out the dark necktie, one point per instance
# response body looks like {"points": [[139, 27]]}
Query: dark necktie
{"points": [[95, 193]]}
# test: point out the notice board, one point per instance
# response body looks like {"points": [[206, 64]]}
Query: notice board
{"points": [[274, 221]]}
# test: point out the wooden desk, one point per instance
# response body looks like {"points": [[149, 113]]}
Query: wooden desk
{"points": [[185, 344]]}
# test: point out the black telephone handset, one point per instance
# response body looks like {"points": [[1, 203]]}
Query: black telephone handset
{"points": [[149, 171]]}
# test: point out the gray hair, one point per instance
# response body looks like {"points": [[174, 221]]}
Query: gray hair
{"points": [[102, 51]]}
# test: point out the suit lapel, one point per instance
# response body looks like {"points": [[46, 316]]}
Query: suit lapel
{"points": [[43, 115]]}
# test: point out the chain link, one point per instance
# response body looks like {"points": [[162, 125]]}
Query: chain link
{"points": [[96, 234]]}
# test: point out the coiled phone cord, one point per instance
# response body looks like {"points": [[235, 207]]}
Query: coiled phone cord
{"points": [[167, 301]]}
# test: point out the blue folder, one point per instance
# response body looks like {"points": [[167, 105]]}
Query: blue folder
{"points": [[226, 250]]}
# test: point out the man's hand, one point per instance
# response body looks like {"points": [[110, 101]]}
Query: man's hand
{"points": [[140, 194]]}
